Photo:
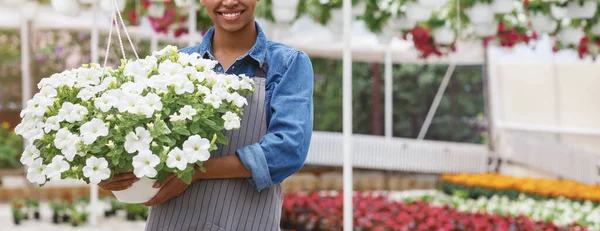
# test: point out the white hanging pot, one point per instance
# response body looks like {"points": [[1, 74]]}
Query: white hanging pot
{"points": [[570, 36], [284, 11], [577, 11], [66, 7], [480, 13], [403, 23], [502, 6], [595, 29], [485, 30], [558, 12], [432, 4], [417, 12], [443, 36], [543, 23], [106, 5], [140, 192]]}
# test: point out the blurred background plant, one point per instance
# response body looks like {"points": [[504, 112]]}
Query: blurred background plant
{"points": [[11, 146]]}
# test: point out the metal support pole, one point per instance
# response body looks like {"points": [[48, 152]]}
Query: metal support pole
{"points": [[192, 24], [347, 115], [94, 59], [436, 101], [153, 41], [388, 93]]}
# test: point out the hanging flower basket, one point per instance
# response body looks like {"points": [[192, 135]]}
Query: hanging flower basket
{"points": [[403, 23], [575, 10], [433, 4], [417, 12], [485, 30], [480, 14], [595, 29], [570, 36], [543, 23], [444, 36], [558, 12], [502, 6], [66, 7], [106, 5]]}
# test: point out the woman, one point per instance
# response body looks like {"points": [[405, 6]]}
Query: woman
{"points": [[240, 189]]}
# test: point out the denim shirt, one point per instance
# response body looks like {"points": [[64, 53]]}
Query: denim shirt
{"points": [[288, 104]]}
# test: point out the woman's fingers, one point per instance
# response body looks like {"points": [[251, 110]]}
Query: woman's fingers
{"points": [[119, 182], [159, 185]]}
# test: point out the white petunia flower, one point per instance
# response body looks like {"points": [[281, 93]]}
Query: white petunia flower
{"points": [[65, 111], [70, 151], [88, 77], [77, 113], [106, 102], [35, 172], [96, 169], [56, 167], [52, 124], [183, 86], [144, 163], [48, 92], [187, 112], [130, 103], [176, 159], [86, 93], [232, 121], [154, 101], [237, 99], [196, 149], [90, 131], [137, 70], [175, 117], [138, 141], [203, 89], [133, 88], [62, 138], [231, 81], [169, 68], [214, 100], [246, 83], [159, 83], [106, 82], [29, 155]]}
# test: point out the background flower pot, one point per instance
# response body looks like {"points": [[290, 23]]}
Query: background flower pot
{"points": [[577, 11], [558, 12], [417, 12], [444, 36], [66, 7], [502, 6], [139, 192], [485, 30], [570, 36], [403, 23], [480, 14], [595, 29], [433, 4], [543, 23]]}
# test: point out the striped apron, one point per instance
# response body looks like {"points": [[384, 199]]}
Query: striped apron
{"points": [[226, 204]]}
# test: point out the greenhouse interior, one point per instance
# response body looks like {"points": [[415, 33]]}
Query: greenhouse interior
{"points": [[426, 115]]}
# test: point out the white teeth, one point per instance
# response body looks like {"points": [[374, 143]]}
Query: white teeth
{"points": [[232, 15]]}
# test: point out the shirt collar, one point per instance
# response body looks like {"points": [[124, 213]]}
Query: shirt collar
{"points": [[257, 52]]}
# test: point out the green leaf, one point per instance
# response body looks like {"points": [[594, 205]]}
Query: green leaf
{"points": [[162, 176], [222, 139], [187, 178], [209, 122], [164, 139], [96, 149], [195, 128], [115, 160], [184, 132]]}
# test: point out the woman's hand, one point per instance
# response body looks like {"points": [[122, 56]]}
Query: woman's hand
{"points": [[169, 189], [119, 182]]}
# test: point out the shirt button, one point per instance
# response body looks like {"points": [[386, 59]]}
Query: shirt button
{"points": [[232, 67]]}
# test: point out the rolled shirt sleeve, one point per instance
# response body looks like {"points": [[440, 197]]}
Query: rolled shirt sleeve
{"points": [[283, 150]]}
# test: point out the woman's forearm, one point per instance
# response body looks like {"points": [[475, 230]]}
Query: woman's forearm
{"points": [[223, 167]]}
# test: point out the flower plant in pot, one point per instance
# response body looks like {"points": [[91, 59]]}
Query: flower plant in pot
{"points": [[156, 116]]}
